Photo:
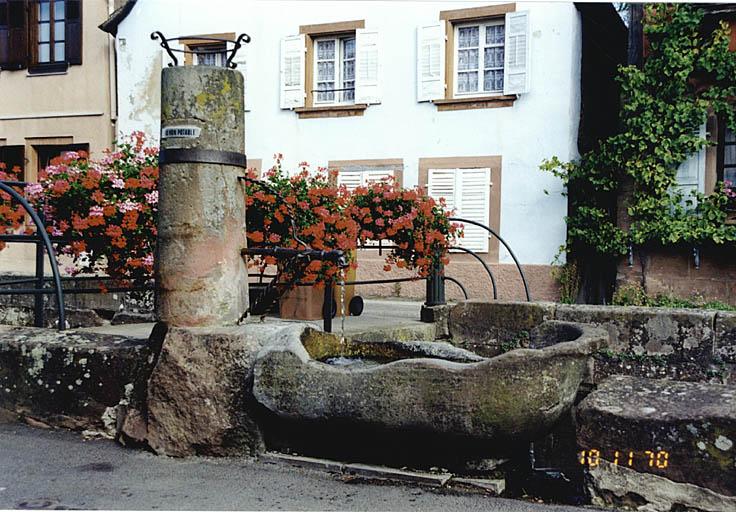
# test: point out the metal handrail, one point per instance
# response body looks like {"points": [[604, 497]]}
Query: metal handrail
{"points": [[41, 237], [513, 256]]}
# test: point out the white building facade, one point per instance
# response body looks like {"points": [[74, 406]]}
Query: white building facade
{"points": [[465, 98]]}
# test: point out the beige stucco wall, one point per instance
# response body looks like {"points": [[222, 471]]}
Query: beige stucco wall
{"points": [[76, 107]]}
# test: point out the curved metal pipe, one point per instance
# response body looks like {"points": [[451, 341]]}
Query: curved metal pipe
{"points": [[41, 231], [513, 256], [482, 262], [448, 278]]}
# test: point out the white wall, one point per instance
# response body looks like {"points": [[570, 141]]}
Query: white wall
{"points": [[540, 124]]}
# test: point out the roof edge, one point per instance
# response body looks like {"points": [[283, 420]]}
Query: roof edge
{"points": [[110, 25]]}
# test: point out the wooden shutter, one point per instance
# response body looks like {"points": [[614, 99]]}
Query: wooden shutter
{"points": [[292, 71], [474, 189], [367, 66], [468, 192], [690, 175], [431, 62], [73, 35], [441, 184], [517, 52], [17, 39], [242, 66], [4, 34], [351, 179]]}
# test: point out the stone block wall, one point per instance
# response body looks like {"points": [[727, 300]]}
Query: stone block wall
{"points": [[672, 271], [681, 344]]}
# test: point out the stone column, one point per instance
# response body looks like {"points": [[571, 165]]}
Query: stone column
{"points": [[200, 274]]}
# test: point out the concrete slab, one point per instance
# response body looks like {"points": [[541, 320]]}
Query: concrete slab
{"points": [[380, 319]]}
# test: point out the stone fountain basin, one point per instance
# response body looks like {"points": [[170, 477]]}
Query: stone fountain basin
{"points": [[427, 386]]}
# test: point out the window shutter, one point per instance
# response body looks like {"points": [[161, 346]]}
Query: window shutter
{"points": [[351, 179], [468, 192], [376, 176], [4, 34], [441, 183], [292, 71], [690, 175], [518, 54], [17, 39], [431, 62], [73, 34], [242, 66], [473, 189], [367, 67]]}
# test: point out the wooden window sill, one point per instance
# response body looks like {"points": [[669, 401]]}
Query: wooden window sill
{"points": [[476, 102], [331, 111]]}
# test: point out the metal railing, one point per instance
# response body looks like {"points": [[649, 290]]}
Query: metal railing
{"points": [[42, 241]]}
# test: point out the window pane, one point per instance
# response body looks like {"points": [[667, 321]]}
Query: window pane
{"points": [[44, 52], [729, 154], [348, 70], [467, 82], [494, 57], [494, 34], [729, 175], [325, 71], [59, 10], [468, 37], [58, 52], [325, 50], [326, 96], [44, 32], [467, 59], [59, 31], [493, 80], [349, 93], [43, 11], [348, 48], [730, 136]]}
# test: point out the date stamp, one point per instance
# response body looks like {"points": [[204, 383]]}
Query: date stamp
{"points": [[659, 459]]}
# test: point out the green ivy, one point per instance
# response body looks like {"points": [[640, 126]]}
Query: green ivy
{"points": [[663, 104]]}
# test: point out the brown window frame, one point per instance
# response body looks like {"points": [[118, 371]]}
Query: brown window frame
{"points": [[311, 33], [721, 150], [455, 17], [493, 162], [196, 42]]}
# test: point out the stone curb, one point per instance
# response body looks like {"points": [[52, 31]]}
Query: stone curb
{"points": [[368, 471]]}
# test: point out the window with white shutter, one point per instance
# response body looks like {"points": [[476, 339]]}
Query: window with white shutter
{"points": [[367, 66], [690, 175], [467, 191]]}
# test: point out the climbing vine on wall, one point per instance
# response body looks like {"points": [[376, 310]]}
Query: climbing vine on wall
{"points": [[687, 74]]}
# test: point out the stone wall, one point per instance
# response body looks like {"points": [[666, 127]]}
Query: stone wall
{"points": [[681, 344], [672, 271]]}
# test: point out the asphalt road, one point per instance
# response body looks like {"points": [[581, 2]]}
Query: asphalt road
{"points": [[42, 469]]}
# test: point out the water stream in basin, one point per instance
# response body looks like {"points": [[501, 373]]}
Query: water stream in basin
{"points": [[342, 305]]}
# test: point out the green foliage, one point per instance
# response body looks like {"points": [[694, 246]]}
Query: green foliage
{"points": [[568, 279], [635, 295], [686, 75], [630, 295]]}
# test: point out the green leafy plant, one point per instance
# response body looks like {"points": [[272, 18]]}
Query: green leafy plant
{"points": [[687, 74], [568, 279]]}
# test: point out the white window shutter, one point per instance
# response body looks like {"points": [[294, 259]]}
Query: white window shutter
{"points": [[474, 190], [376, 176], [351, 179], [242, 66], [690, 175], [518, 53], [367, 66], [292, 71], [441, 184], [431, 62]]}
